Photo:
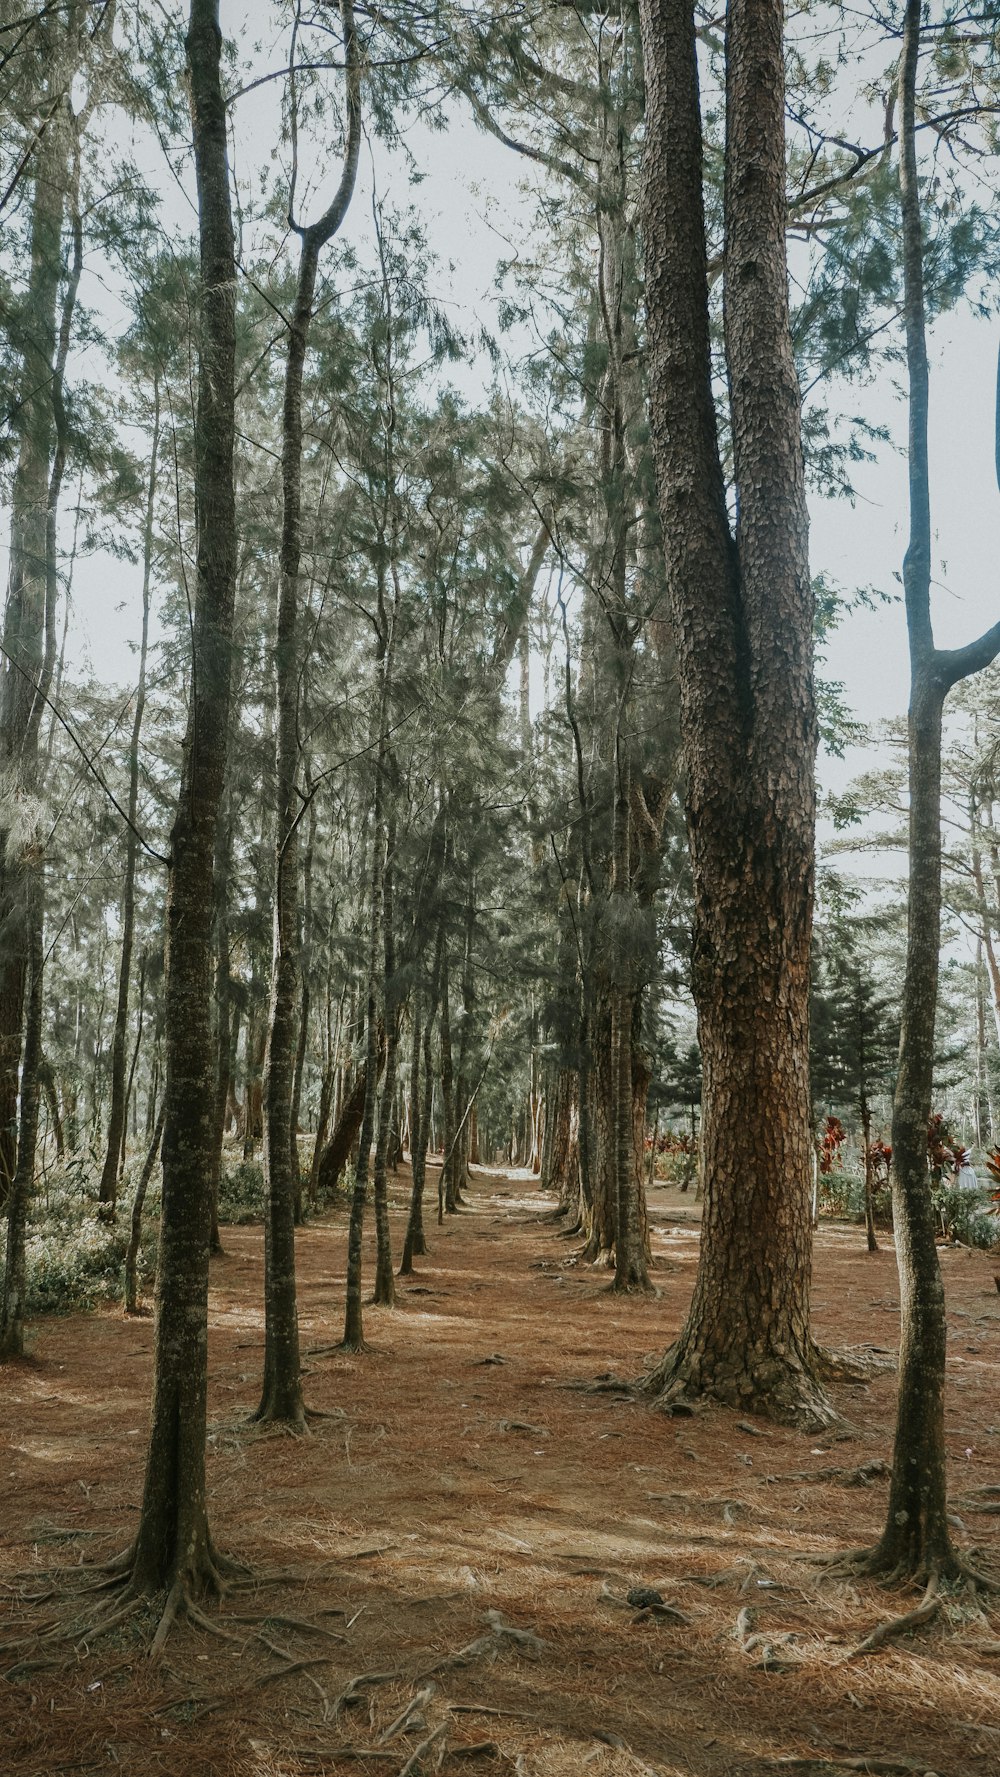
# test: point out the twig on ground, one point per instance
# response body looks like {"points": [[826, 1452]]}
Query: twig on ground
{"points": [[352, 1690], [405, 1716]]}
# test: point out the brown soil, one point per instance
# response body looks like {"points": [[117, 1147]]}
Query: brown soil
{"points": [[455, 1484]]}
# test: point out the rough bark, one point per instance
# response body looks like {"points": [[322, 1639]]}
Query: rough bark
{"points": [[741, 612], [173, 1549]]}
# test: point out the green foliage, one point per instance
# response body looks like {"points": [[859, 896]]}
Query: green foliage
{"points": [[75, 1259], [242, 1193], [968, 1214]]}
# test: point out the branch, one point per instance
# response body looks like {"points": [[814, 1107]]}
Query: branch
{"points": [[955, 664]]}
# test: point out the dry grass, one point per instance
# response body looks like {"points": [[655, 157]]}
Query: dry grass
{"points": [[452, 1487]]}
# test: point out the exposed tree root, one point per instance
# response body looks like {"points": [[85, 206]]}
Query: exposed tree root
{"points": [[895, 1765], [877, 1564], [863, 1476], [636, 1284], [353, 1689], [788, 1391], [432, 1744], [928, 1608], [852, 1365]]}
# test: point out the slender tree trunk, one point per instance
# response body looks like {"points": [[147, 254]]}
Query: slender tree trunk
{"points": [[385, 1287], [866, 1138], [173, 1549], [224, 1016], [28, 641], [135, 1234], [281, 1399], [448, 1096], [133, 1064], [415, 1242], [12, 1296], [916, 1541], [116, 1114]]}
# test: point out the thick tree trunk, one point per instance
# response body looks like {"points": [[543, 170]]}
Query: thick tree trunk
{"points": [[173, 1549], [742, 618]]}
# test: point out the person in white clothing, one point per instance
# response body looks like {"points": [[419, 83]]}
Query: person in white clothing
{"points": [[965, 1177]]}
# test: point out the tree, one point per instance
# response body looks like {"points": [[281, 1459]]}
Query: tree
{"points": [[742, 611], [916, 1541], [281, 1399], [173, 1550], [855, 1035]]}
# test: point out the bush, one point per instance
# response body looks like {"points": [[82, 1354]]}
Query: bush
{"points": [[967, 1214], [241, 1193], [73, 1258]]}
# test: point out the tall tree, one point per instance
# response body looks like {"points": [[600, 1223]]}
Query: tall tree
{"points": [[173, 1550], [281, 1399], [741, 607], [916, 1541]]}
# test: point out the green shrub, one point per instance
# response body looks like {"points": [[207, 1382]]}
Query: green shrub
{"points": [[73, 1258], [241, 1193], [966, 1214]]}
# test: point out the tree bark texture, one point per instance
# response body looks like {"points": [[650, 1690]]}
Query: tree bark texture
{"points": [[173, 1549], [741, 612]]}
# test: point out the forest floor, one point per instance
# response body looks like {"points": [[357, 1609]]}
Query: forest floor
{"points": [[468, 1470]]}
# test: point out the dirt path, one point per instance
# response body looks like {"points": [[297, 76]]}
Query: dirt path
{"points": [[467, 1472]]}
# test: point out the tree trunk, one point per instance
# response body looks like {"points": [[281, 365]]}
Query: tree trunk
{"points": [[742, 618], [28, 640], [415, 1242], [385, 1286], [602, 1210], [281, 1400], [173, 1549], [866, 1138], [445, 1191], [13, 1292], [135, 1234], [116, 1114]]}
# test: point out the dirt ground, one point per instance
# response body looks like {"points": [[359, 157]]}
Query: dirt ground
{"points": [[468, 1470]]}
